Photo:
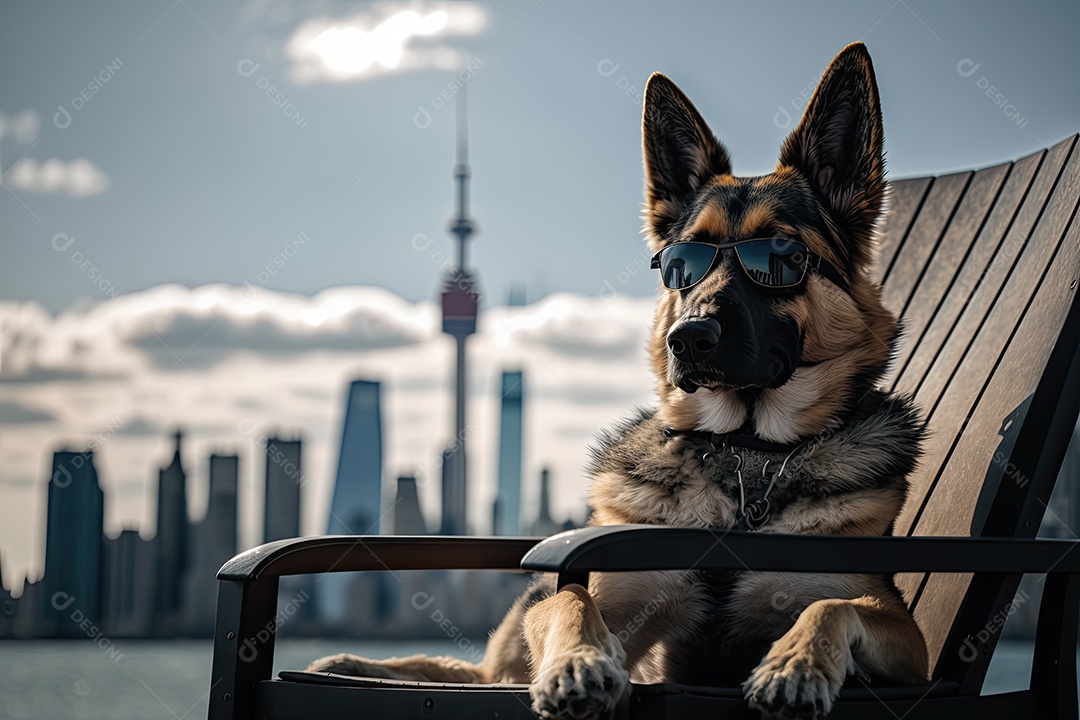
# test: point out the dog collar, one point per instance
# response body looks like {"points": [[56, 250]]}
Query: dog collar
{"points": [[735, 439], [754, 513]]}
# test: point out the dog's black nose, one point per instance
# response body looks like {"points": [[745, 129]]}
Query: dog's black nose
{"points": [[694, 340]]}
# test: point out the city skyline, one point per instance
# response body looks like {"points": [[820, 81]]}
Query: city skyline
{"points": [[165, 586]]}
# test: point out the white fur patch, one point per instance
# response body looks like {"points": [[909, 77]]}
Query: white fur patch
{"points": [[717, 410], [777, 413]]}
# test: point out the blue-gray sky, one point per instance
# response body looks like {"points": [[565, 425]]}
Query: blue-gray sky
{"points": [[208, 179], [201, 226]]}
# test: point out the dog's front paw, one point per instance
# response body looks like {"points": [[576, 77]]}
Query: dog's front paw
{"points": [[583, 683], [797, 679]]}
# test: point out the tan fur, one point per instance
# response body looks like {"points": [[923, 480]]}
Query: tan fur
{"points": [[759, 215], [504, 659], [618, 502], [578, 666], [712, 220], [865, 513], [416, 667], [830, 640]]}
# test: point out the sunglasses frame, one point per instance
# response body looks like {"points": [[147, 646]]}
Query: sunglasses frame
{"points": [[813, 262]]}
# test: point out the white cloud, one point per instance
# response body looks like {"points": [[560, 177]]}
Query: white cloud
{"points": [[241, 363], [575, 326], [389, 38], [21, 127], [78, 178]]}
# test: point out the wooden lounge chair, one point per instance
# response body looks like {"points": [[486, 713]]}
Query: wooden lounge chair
{"points": [[984, 267]]}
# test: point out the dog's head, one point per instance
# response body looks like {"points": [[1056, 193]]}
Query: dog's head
{"points": [[741, 344]]}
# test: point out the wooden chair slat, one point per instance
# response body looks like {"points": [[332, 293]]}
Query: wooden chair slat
{"points": [[926, 231], [904, 200], [919, 354], [932, 388], [941, 269]]}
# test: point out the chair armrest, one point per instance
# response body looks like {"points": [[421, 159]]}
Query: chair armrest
{"points": [[247, 618], [620, 548], [347, 553]]}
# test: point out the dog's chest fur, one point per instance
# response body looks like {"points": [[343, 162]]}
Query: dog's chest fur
{"points": [[848, 480]]}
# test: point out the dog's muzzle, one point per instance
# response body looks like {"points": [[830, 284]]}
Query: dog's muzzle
{"points": [[707, 353], [695, 340]]}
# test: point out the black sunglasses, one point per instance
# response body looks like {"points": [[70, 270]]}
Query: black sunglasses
{"points": [[772, 262]]}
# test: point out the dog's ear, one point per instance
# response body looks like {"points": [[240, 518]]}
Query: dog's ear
{"points": [[838, 147], [680, 153]]}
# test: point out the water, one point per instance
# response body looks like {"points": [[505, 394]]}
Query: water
{"points": [[145, 679], [154, 680]]}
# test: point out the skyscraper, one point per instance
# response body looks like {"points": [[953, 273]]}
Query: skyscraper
{"points": [[72, 585], [171, 541], [508, 498], [281, 509], [355, 509], [219, 525], [446, 466], [544, 525], [408, 517], [213, 542], [129, 582], [358, 488]]}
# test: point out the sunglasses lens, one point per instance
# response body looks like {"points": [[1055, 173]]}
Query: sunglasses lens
{"points": [[684, 264], [774, 263]]}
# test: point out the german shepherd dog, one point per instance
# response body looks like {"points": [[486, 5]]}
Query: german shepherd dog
{"points": [[768, 343]]}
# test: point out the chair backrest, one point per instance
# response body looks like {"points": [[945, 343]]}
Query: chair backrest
{"points": [[983, 267]]}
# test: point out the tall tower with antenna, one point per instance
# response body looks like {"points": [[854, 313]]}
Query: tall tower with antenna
{"points": [[460, 298]]}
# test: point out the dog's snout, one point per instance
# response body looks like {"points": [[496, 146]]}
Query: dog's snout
{"points": [[694, 340]]}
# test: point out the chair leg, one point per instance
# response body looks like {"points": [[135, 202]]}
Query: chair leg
{"points": [[1053, 672], [243, 646]]}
